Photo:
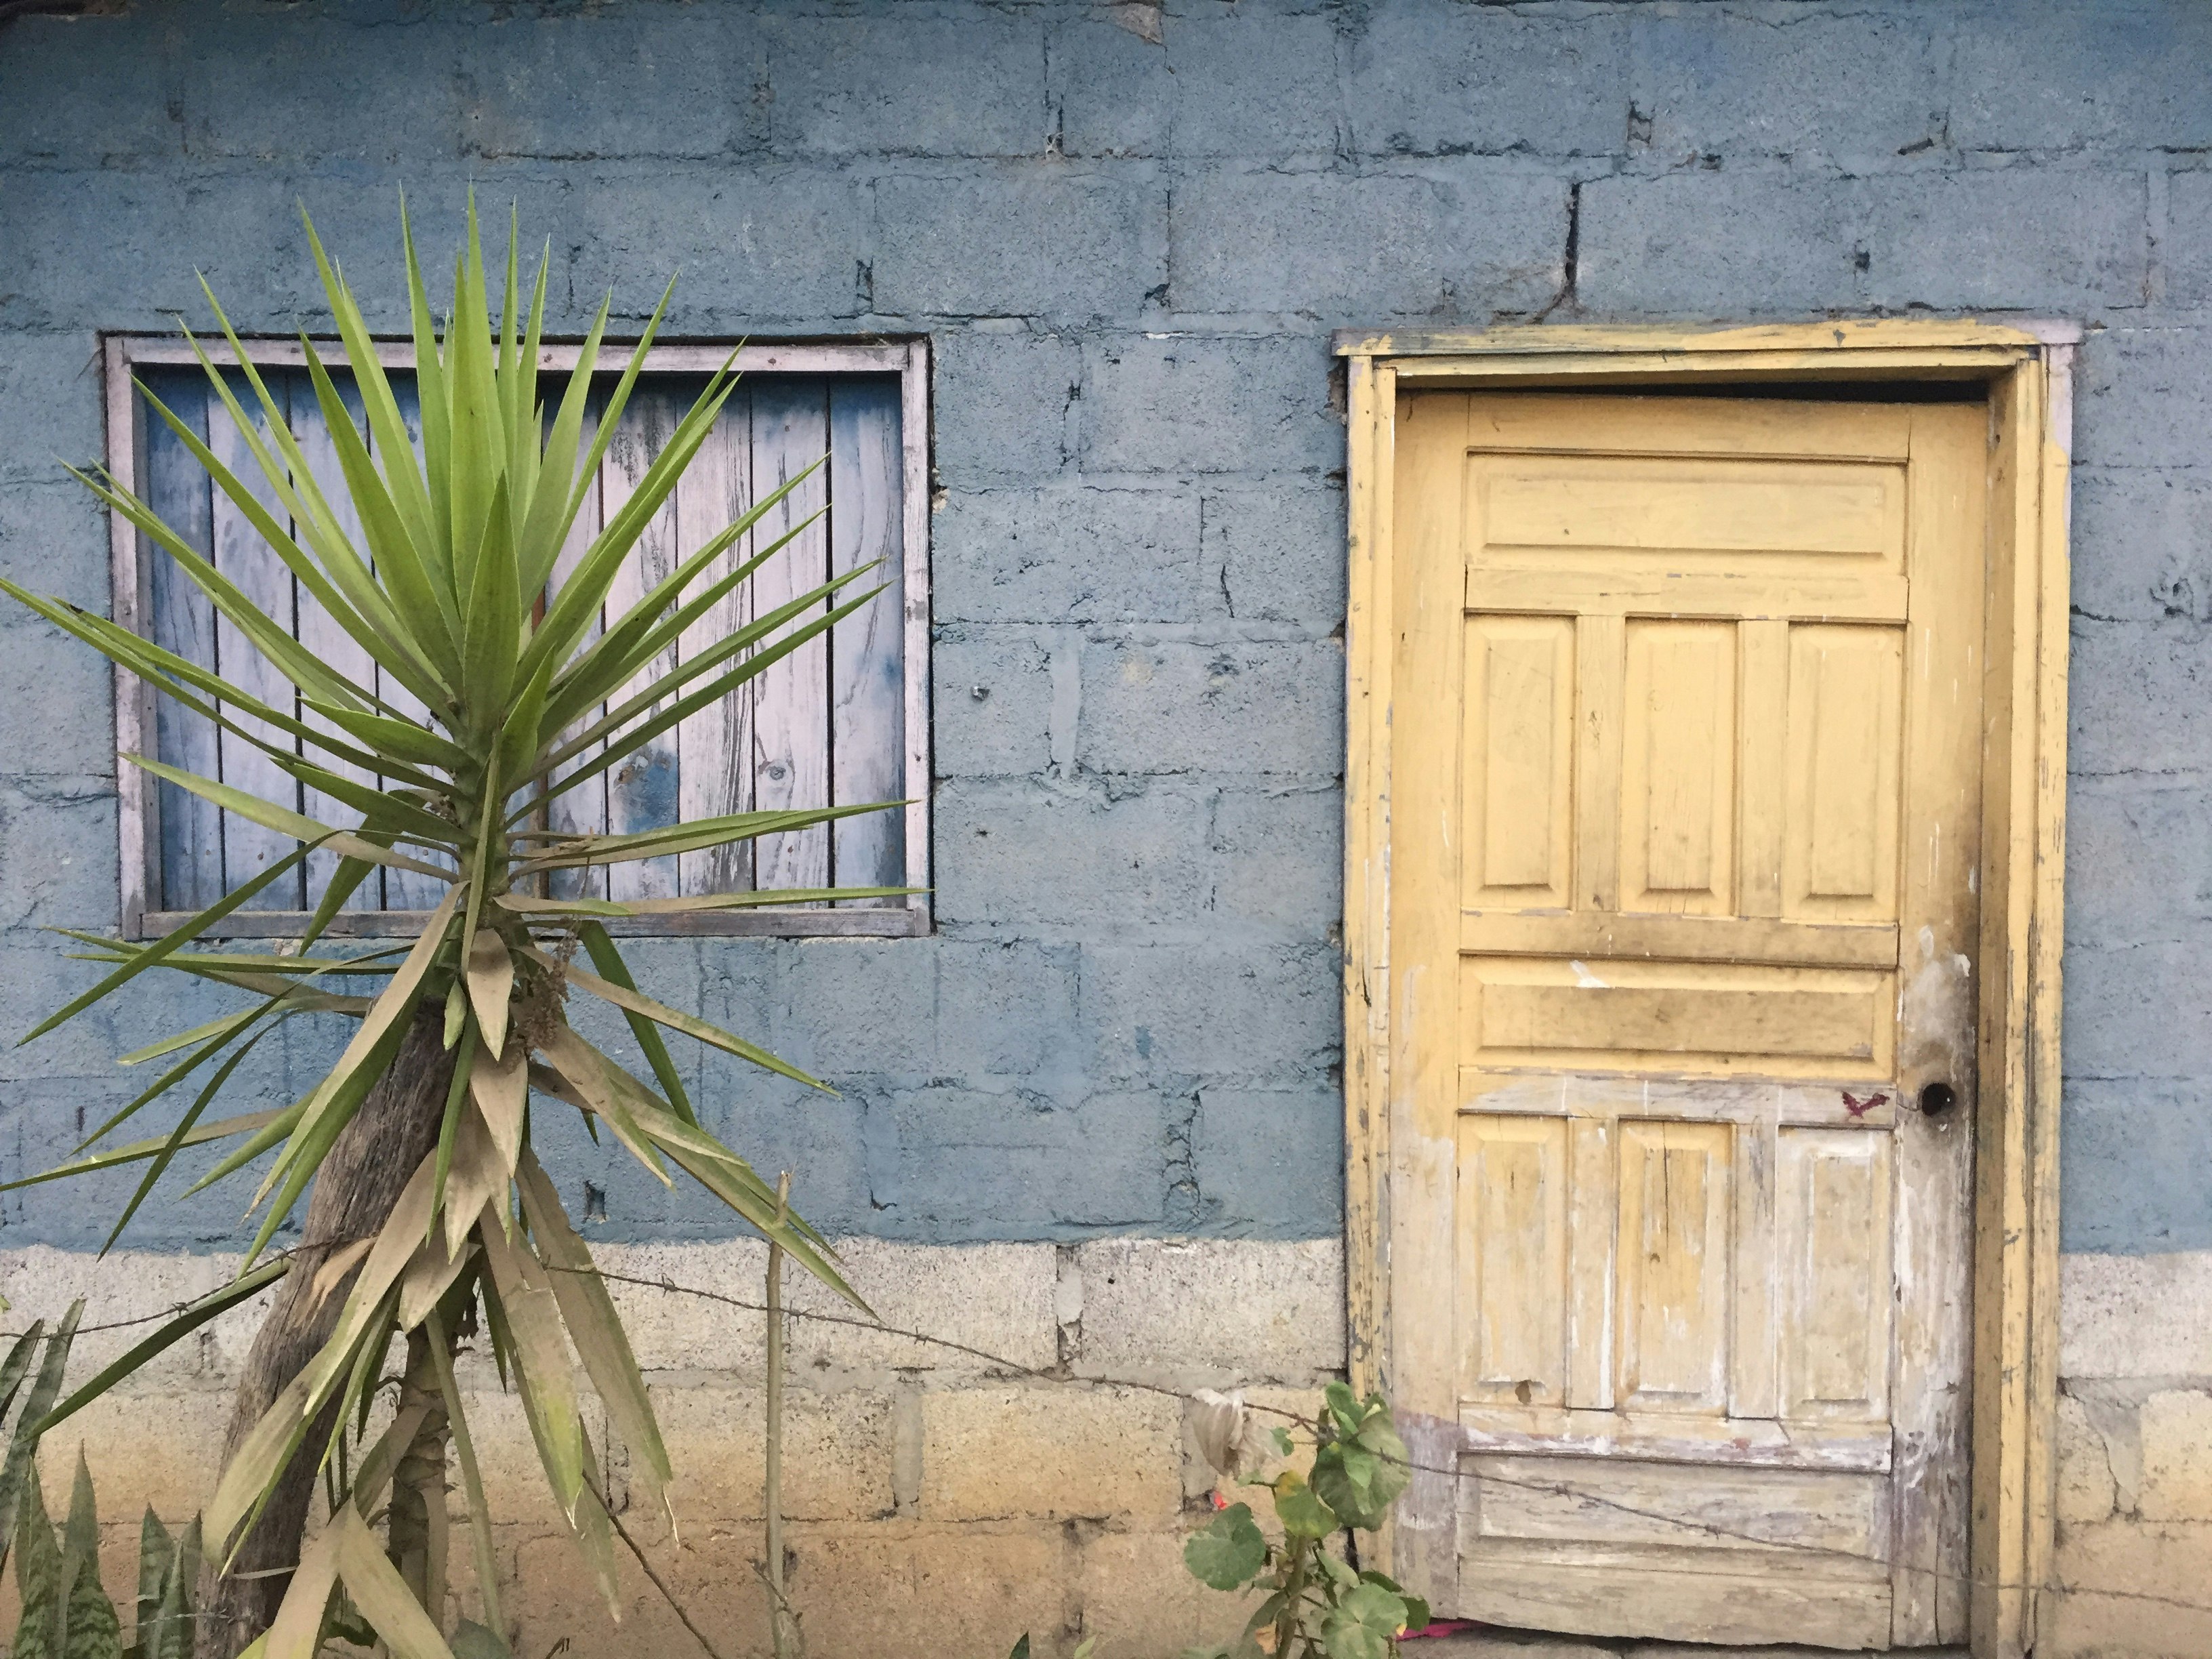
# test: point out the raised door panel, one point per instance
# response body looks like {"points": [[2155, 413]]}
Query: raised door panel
{"points": [[1678, 769], [1840, 843], [1832, 1197], [1518, 771], [1676, 1209], [1512, 1256]]}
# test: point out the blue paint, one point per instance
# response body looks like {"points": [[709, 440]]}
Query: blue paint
{"points": [[1128, 256]]}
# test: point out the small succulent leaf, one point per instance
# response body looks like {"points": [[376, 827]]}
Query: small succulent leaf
{"points": [[1229, 1550], [39, 1587], [491, 983], [23, 1446]]}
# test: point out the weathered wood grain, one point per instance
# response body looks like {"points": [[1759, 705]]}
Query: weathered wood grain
{"points": [[868, 663], [242, 555], [714, 745], [642, 789], [189, 875], [791, 724]]}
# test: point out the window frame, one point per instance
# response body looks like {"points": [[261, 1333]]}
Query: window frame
{"points": [[131, 556]]}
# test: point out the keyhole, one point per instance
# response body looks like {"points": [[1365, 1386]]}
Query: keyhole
{"points": [[1937, 1098]]}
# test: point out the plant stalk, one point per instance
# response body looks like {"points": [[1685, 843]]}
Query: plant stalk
{"points": [[782, 1633], [486, 1560], [416, 1542]]}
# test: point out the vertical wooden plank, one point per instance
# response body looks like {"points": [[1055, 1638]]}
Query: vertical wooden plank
{"points": [[1600, 663], [1764, 770], [914, 474], [2046, 948], [403, 890], [137, 827], [1937, 907], [319, 633], [1430, 607], [581, 810], [642, 788], [190, 862], [251, 564], [1372, 400], [1592, 1270], [791, 722], [1751, 1380], [714, 747], [1999, 1613], [868, 661]]}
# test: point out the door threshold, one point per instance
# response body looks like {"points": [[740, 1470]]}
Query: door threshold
{"points": [[1496, 1641]]}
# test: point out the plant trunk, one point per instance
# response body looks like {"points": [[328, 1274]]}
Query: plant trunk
{"points": [[369, 1166]]}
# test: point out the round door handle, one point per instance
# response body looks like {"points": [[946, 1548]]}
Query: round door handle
{"points": [[1937, 1098]]}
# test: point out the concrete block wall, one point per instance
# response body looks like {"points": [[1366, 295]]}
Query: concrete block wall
{"points": [[1038, 1477], [1126, 229]]}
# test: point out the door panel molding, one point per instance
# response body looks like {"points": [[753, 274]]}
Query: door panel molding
{"points": [[2026, 371]]}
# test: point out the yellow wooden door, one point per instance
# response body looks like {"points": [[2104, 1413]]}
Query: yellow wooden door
{"points": [[1685, 821]]}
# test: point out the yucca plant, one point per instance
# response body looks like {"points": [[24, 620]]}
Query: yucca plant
{"points": [[428, 1212]]}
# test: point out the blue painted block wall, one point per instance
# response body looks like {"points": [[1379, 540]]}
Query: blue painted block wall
{"points": [[1127, 230]]}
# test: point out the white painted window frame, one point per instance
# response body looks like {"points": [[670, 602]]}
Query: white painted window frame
{"points": [[130, 557]]}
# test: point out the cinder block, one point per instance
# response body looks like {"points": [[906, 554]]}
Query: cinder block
{"points": [[2122, 1559], [2063, 78], [1018, 855], [2009, 240], [2132, 699], [1142, 1602], [994, 1296], [836, 1452], [1272, 1409], [1055, 1450], [1014, 241], [2138, 863], [556, 1597], [1434, 78], [1278, 859], [56, 854], [1270, 1162], [893, 1588], [144, 1448], [2135, 1315], [886, 84], [1254, 708], [1448, 239], [1004, 1007], [1219, 1012], [858, 1006], [2128, 1144], [781, 247], [67, 692], [1016, 1163], [993, 703], [2187, 244], [2141, 399], [1852, 90], [1006, 400], [50, 410], [2141, 558], [1223, 82], [87, 96], [1235, 1310], [1278, 551], [683, 84], [1190, 404], [1074, 552], [515, 1485], [2086, 1490], [40, 1282], [2176, 1455]]}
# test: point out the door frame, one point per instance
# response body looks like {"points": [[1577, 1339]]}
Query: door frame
{"points": [[2028, 369]]}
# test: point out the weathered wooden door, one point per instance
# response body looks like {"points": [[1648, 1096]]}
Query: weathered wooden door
{"points": [[1685, 823]]}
